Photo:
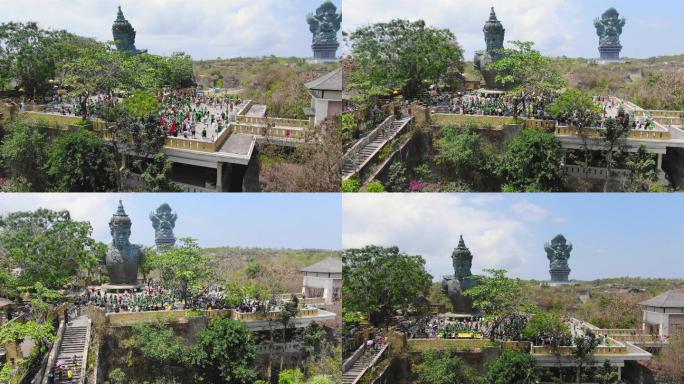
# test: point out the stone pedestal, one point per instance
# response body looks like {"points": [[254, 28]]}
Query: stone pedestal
{"points": [[325, 50], [560, 275], [610, 52]]}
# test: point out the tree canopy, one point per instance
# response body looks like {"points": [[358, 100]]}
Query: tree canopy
{"points": [[49, 246], [378, 281], [401, 54]]}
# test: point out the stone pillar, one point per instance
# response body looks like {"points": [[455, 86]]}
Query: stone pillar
{"points": [[619, 373], [660, 162], [219, 177]]}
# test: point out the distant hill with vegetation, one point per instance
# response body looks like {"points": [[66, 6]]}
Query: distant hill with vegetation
{"points": [[274, 268], [275, 81]]}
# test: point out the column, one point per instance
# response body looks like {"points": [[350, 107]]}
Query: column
{"points": [[619, 373], [660, 162], [219, 177]]}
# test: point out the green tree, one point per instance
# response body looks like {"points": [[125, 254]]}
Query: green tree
{"points": [[30, 55], [583, 351], [80, 162], [552, 326], [378, 281], [614, 135], [402, 55], [24, 154], [47, 245], [443, 367], [644, 171], [97, 69], [226, 350], [577, 109], [607, 374], [532, 162], [466, 157], [498, 297], [512, 367], [157, 175], [159, 343], [16, 332], [141, 104], [185, 268], [524, 72]]}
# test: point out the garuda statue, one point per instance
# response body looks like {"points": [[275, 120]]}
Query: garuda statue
{"points": [[462, 280], [123, 258], [558, 253], [163, 222], [609, 28], [324, 25]]}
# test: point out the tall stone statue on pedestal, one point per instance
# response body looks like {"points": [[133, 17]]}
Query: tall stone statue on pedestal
{"points": [[324, 25], [494, 37], [123, 258], [124, 35], [462, 280], [609, 28], [558, 253], [163, 222]]}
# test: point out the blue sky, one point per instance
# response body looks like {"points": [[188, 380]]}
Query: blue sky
{"points": [[248, 220], [559, 27], [613, 235], [206, 29]]}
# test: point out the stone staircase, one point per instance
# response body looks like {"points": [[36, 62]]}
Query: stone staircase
{"points": [[359, 366], [73, 347], [351, 166]]}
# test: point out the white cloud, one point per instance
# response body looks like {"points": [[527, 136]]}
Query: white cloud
{"points": [[430, 225]]}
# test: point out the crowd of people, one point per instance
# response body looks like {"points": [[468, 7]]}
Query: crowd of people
{"points": [[194, 116], [154, 297]]}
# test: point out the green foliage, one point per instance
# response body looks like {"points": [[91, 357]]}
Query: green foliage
{"points": [[498, 297], [141, 104], [16, 332], [117, 376], [524, 70], [157, 175], [644, 170], [375, 186], [49, 246], [532, 161], [466, 157], [185, 268], [401, 54], [291, 376], [23, 154], [351, 185], [378, 281], [158, 342], [80, 162], [226, 350], [607, 374], [583, 351], [348, 127], [29, 55], [397, 181], [546, 323], [512, 367], [575, 107], [443, 367]]}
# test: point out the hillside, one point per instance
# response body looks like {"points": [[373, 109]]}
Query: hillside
{"points": [[274, 81]]}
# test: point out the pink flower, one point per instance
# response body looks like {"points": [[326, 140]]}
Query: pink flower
{"points": [[415, 185]]}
